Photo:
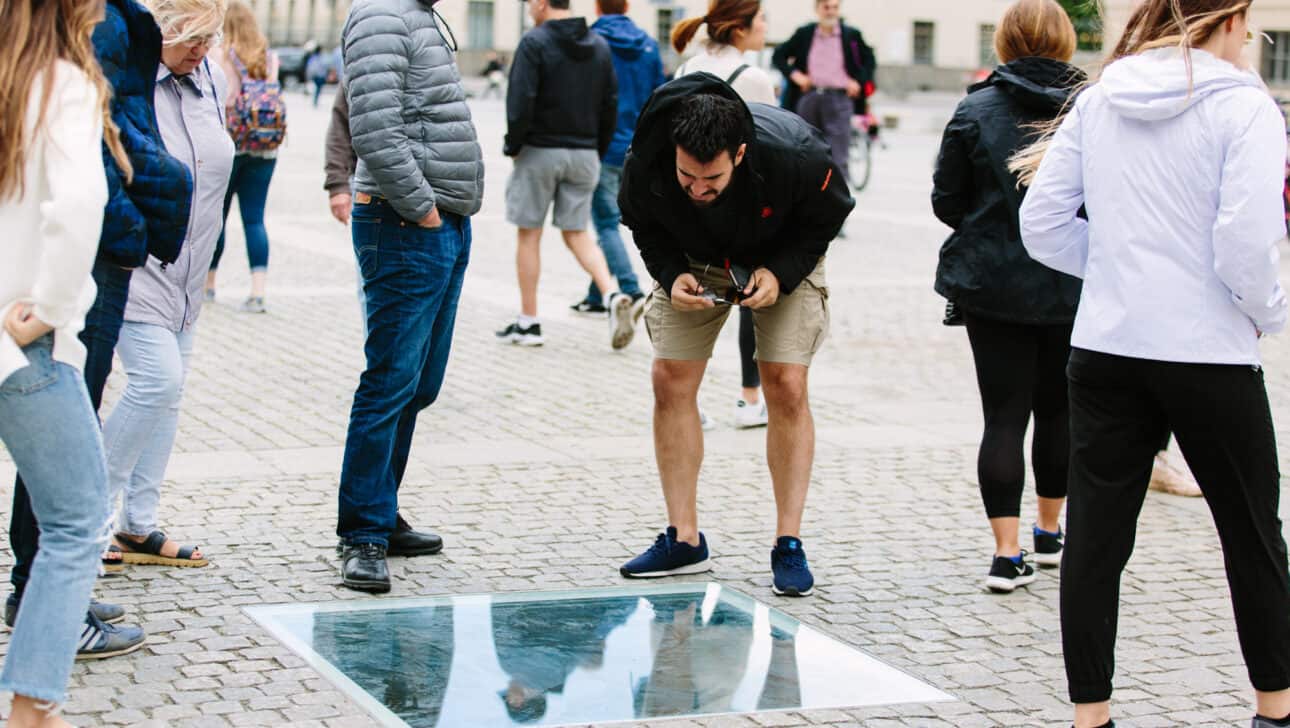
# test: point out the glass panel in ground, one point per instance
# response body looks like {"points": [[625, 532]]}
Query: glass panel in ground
{"points": [[565, 658]]}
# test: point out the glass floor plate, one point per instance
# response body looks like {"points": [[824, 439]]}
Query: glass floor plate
{"points": [[586, 656]]}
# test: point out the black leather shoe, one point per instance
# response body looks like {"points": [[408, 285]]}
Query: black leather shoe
{"points": [[363, 568], [406, 542]]}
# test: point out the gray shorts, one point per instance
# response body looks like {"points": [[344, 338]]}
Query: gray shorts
{"points": [[567, 177]]}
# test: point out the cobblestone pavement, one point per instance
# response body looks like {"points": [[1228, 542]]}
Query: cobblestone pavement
{"points": [[536, 466]]}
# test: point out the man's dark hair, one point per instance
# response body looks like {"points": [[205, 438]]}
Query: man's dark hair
{"points": [[706, 125], [558, 4], [612, 7]]}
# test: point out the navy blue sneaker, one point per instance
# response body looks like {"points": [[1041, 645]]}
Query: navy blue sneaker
{"points": [[669, 557], [788, 564]]}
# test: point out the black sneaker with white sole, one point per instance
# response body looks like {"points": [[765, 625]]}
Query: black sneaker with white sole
{"points": [[1048, 548], [1006, 575], [587, 307], [622, 327], [530, 335]]}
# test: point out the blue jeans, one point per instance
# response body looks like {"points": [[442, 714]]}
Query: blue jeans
{"points": [[250, 182], [413, 278], [102, 328], [606, 216], [140, 433], [50, 430]]}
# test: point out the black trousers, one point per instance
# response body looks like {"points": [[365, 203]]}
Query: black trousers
{"points": [[102, 329], [1020, 370], [1120, 410], [750, 374]]}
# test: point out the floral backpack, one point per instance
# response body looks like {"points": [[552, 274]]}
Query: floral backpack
{"points": [[257, 121]]}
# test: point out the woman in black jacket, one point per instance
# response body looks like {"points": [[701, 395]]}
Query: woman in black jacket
{"points": [[1018, 312]]}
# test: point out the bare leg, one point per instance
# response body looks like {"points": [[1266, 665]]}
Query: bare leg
{"points": [[210, 280], [751, 395], [1005, 536], [591, 258], [1273, 705], [1092, 715], [258, 280], [27, 714], [790, 441], [1050, 513], [678, 441], [528, 267]]}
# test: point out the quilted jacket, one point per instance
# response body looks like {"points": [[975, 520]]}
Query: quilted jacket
{"points": [[150, 215], [408, 118]]}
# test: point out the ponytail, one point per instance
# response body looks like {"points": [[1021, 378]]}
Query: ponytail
{"points": [[685, 31]]}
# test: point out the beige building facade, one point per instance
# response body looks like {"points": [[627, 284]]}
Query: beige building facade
{"points": [[919, 43]]}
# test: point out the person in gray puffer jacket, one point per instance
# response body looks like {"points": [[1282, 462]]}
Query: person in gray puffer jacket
{"points": [[420, 177], [405, 96]]}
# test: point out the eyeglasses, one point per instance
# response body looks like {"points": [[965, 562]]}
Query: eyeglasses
{"points": [[1251, 36], [209, 40]]}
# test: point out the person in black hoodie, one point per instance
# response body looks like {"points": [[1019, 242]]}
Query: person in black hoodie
{"points": [[561, 112], [1018, 312], [731, 204]]}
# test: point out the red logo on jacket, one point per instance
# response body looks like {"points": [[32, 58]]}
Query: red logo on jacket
{"points": [[766, 212]]}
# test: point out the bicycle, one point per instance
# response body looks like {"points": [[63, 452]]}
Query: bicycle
{"points": [[864, 134]]}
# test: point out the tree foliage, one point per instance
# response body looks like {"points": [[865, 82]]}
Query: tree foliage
{"points": [[1087, 17]]}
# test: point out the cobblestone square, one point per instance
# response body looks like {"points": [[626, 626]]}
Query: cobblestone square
{"points": [[536, 465]]}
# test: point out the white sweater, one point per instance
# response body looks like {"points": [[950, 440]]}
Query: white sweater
{"points": [[1182, 181], [51, 234], [753, 85]]}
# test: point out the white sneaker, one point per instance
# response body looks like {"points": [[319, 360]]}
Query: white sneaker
{"points": [[621, 326], [748, 416], [706, 423]]}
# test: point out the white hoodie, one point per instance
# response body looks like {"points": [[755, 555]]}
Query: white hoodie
{"points": [[1182, 184]]}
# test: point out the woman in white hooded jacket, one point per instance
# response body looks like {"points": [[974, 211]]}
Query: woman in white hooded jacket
{"points": [[1177, 155]]}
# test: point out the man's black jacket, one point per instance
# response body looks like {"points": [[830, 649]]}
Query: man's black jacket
{"points": [[562, 91], [790, 207], [793, 56]]}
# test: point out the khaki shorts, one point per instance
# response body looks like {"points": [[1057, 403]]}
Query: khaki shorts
{"points": [[790, 332], [542, 177]]}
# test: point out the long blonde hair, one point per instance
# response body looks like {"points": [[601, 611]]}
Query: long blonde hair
{"points": [[242, 36], [33, 37], [1182, 24]]}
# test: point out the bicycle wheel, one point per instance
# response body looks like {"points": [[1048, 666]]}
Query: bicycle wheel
{"points": [[860, 162]]}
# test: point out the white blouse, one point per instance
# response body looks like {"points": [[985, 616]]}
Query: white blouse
{"points": [[753, 85], [51, 233]]}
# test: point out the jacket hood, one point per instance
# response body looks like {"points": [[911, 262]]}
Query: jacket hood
{"points": [[572, 36], [1042, 84], [1154, 85], [625, 38], [653, 130]]}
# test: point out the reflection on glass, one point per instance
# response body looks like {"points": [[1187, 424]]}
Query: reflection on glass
{"points": [[581, 657]]}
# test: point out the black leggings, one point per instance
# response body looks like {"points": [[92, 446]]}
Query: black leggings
{"points": [[748, 349], [1020, 370], [1120, 409]]}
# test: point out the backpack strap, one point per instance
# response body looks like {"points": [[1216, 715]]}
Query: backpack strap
{"points": [[237, 63], [738, 72]]}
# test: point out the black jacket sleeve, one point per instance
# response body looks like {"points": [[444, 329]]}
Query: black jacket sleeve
{"points": [[796, 49], [339, 157], [952, 180], [608, 109], [821, 205], [521, 95], [663, 258]]}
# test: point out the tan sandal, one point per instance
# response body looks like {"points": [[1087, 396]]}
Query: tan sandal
{"points": [[148, 553]]}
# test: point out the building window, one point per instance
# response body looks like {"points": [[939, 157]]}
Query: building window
{"points": [[988, 58], [1276, 58], [924, 43], [479, 25], [666, 19]]}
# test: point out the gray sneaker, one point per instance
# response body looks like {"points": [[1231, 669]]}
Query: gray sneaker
{"points": [[100, 640], [622, 327], [254, 304], [110, 613]]}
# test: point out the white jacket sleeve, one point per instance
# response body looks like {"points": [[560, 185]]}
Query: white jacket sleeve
{"points": [[1051, 228], [71, 208], [1251, 218]]}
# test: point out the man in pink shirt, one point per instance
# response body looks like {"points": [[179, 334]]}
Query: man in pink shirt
{"points": [[830, 70]]}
